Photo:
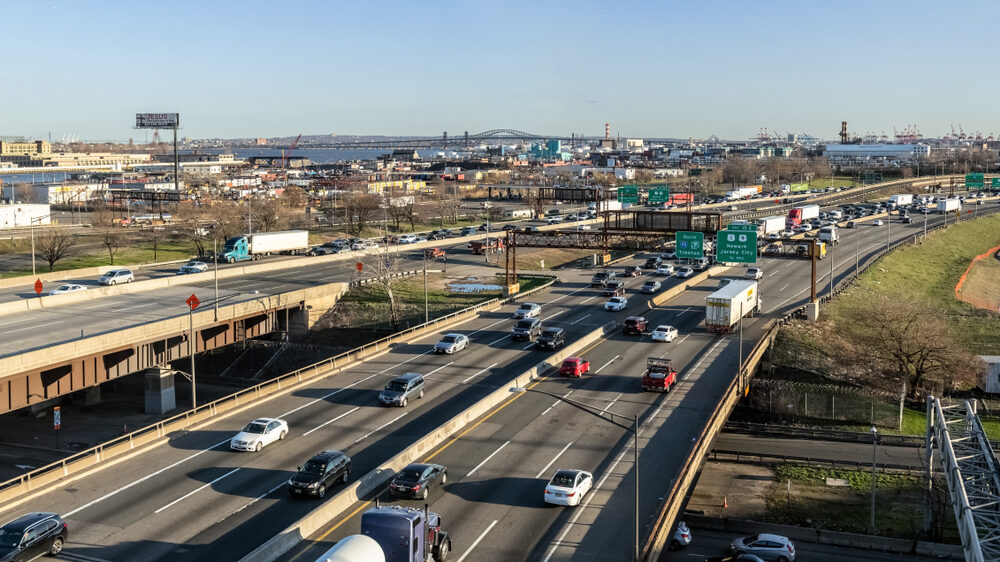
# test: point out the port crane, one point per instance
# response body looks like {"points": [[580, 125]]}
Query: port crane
{"points": [[286, 154]]}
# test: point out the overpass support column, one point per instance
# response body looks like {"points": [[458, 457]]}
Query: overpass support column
{"points": [[302, 319], [160, 396], [91, 396]]}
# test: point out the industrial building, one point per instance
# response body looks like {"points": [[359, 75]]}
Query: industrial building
{"points": [[15, 215], [866, 153], [25, 148]]}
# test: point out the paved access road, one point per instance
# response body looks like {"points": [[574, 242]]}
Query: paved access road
{"points": [[194, 499], [847, 452], [707, 543], [492, 504]]}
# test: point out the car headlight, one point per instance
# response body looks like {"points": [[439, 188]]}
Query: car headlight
{"points": [[313, 485]]}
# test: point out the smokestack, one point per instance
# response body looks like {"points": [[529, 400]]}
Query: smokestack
{"points": [[607, 131]]}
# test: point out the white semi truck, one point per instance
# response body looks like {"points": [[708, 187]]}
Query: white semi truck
{"points": [[949, 205]]}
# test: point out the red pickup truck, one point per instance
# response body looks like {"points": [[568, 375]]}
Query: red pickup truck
{"points": [[659, 375]]}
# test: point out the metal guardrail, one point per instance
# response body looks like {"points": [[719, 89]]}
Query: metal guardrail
{"points": [[82, 460], [670, 507]]}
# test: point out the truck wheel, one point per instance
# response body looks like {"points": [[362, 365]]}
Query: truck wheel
{"points": [[442, 552], [232, 260]]}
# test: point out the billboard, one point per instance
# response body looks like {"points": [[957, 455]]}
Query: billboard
{"points": [[157, 120]]}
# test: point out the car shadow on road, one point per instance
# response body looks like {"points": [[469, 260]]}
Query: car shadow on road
{"points": [[241, 481], [346, 397], [200, 439], [509, 490]]}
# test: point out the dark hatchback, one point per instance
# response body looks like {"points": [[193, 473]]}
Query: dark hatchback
{"points": [[635, 325], [319, 473], [551, 338], [32, 535], [416, 480]]}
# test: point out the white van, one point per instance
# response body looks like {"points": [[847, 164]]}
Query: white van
{"points": [[408, 239]]}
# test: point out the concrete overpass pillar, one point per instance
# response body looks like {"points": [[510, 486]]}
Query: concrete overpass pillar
{"points": [[300, 321], [91, 396], [160, 396]]}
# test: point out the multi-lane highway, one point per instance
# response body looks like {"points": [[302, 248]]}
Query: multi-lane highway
{"points": [[194, 498], [498, 469]]}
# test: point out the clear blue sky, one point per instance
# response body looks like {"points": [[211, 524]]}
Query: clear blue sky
{"points": [[679, 69]]}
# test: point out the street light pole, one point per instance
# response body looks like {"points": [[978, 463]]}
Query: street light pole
{"points": [[635, 447], [427, 317], [194, 387], [874, 432], [215, 258], [830, 255]]}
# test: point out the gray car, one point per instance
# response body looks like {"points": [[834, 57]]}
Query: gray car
{"points": [[451, 343], [401, 389], [766, 546]]}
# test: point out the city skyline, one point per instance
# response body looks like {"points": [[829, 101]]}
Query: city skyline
{"points": [[237, 70]]}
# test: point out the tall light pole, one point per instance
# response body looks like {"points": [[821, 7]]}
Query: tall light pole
{"points": [[194, 387], [871, 525], [830, 255], [215, 258], [31, 227], [857, 251]]}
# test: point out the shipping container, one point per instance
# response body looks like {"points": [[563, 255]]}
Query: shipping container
{"points": [[725, 307]]}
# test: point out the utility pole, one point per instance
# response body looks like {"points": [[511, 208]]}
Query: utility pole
{"points": [[215, 258], [194, 387], [426, 312], [830, 255], [874, 432], [635, 516]]}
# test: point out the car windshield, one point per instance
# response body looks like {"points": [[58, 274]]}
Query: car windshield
{"points": [[9, 538], [254, 427], [448, 339], [550, 333], [408, 475], [65, 288], [525, 307], [397, 386], [314, 467], [524, 324], [563, 479], [193, 264]]}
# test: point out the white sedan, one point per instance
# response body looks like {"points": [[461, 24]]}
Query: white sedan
{"points": [[67, 288], [451, 343], [664, 333], [259, 433], [567, 487], [583, 227], [616, 304], [193, 267], [685, 272], [754, 273], [528, 310], [667, 269], [553, 220], [878, 222]]}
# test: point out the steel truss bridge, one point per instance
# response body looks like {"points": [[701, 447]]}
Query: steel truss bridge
{"points": [[971, 470], [493, 136]]}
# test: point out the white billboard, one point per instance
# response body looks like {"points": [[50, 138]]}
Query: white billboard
{"points": [[157, 120]]}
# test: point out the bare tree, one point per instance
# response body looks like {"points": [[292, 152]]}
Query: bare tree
{"points": [[537, 203], [189, 221], [268, 215], [102, 215], [395, 207], [155, 236], [112, 238], [383, 268], [359, 210], [54, 245], [294, 197], [24, 193]]}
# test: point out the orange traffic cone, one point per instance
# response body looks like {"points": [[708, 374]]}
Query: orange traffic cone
{"points": [[725, 502]]}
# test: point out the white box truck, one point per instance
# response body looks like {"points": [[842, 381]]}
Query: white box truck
{"points": [[948, 205], [252, 246], [770, 225], [723, 308], [901, 199], [829, 234], [741, 193]]}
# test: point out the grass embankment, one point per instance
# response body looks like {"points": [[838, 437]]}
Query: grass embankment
{"points": [[982, 286], [822, 184], [133, 253], [898, 510], [362, 314]]}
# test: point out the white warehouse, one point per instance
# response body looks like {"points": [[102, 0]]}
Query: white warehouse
{"points": [[860, 153], [23, 215]]}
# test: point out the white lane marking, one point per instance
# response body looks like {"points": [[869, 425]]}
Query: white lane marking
{"points": [[431, 350], [613, 359], [529, 346], [380, 428], [704, 357], [324, 397], [470, 377], [551, 316], [688, 309], [499, 340], [567, 294], [556, 403], [135, 306], [578, 320], [31, 327], [551, 462], [196, 490], [480, 465], [143, 479], [783, 288], [324, 424], [258, 498], [439, 368], [612, 403], [488, 327], [585, 301], [476, 542]]}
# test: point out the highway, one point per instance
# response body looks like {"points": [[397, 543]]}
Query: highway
{"points": [[240, 503], [492, 504]]}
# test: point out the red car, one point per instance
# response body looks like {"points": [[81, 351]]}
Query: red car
{"points": [[574, 367]]}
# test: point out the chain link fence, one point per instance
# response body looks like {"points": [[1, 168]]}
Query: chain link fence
{"points": [[782, 400]]}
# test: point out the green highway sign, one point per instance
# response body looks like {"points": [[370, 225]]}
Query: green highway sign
{"points": [[974, 180], [735, 246], [690, 245], [742, 227], [628, 194], [995, 184], [659, 194]]}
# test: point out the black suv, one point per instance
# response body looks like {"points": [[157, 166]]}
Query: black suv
{"points": [[614, 289], [324, 469], [652, 263], [526, 329], [602, 278], [32, 535], [551, 338]]}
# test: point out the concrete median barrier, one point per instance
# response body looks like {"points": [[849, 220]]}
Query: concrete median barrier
{"points": [[672, 292], [320, 517]]}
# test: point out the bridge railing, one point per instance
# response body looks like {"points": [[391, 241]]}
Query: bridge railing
{"points": [[84, 460]]}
